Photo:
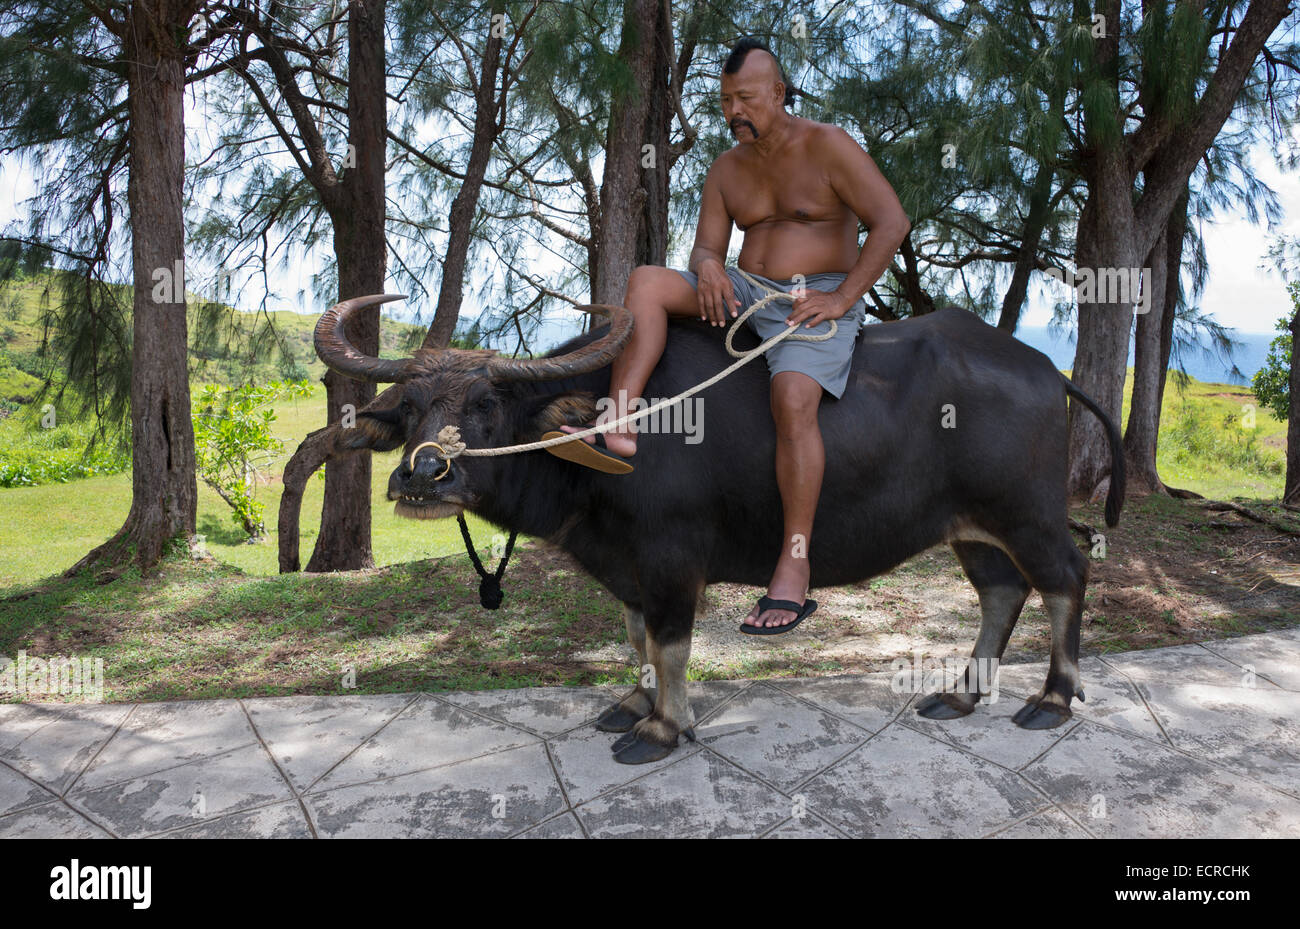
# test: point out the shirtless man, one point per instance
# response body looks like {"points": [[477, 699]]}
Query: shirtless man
{"points": [[797, 189]]}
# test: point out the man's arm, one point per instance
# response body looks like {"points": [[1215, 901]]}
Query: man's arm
{"points": [[858, 182], [708, 258]]}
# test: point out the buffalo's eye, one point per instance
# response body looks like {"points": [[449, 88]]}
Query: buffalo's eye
{"points": [[405, 408]]}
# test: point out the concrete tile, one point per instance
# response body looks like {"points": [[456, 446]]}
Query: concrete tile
{"points": [[1186, 663], [1122, 786], [426, 734], [866, 700], [1111, 698], [807, 826], [309, 735], [1252, 730], [701, 796], [55, 754], [1274, 655], [49, 821], [561, 827], [19, 720], [778, 738], [587, 766], [990, 733], [903, 783], [1049, 824], [278, 821], [492, 795], [1022, 680], [17, 792], [544, 711], [707, 696], [187, 794], [163, 735]]}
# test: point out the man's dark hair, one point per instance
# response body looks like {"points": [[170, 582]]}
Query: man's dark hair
{"points": [[743, 48]]}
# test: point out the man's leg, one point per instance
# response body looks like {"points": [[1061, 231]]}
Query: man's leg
{"points": [[653, 294], [800, 461]]}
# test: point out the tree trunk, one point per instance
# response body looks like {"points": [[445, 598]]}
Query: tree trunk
{"points": [[460, 222], [1143, 418], [1152, 346], [1105, 248], [1291, 493], [360, 249], [164, 490], [652, 232], [1040, 198], [622, 197]]}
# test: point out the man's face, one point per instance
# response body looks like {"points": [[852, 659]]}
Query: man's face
{"points": [[752, 97]]}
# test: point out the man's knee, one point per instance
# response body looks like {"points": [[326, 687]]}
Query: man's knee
{"points": [[641, 279], [653, 288], [795, 400]]}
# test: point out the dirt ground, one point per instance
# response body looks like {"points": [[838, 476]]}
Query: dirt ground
{"points": [[1172, 574]]}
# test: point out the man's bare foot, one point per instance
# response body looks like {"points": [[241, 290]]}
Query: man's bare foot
{"points": [[789, 582], [620, 443]]}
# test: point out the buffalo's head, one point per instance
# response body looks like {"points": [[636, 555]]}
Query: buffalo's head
{"points": [[477, 391]]}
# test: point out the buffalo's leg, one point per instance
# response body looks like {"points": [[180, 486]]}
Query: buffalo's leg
{"points": [[622, 716], [1002, 591], [670, 617], [1054, 565]]}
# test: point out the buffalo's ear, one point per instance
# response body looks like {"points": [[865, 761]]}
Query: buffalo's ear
{"points": [[577, 408], [380, 430]]}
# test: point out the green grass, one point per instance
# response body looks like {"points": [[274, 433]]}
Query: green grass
{"points": [[46, 529]]}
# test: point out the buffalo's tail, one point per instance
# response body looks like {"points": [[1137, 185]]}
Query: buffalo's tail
{"points": [[1115, 495]]}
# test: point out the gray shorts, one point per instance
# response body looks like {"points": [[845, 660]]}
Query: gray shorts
{"points": [[825, 362]]}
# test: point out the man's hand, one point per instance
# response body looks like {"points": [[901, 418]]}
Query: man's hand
{"points": [[714, 292], [817, 306]]}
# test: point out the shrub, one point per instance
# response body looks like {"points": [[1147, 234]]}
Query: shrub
{"points": [[233, 443]]}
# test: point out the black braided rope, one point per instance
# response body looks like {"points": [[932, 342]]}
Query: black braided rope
{"points": [[489, 587]]}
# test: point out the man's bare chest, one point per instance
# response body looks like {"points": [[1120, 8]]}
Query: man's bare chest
{"points": [[781, 192]]}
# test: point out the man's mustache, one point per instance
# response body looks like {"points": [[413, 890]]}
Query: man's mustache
{"points": [[744, 122]]}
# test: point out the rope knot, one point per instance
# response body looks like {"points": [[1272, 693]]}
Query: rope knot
{"points": [[449, 440]]}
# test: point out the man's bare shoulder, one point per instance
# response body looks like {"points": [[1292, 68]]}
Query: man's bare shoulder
{"points": [[726, 160], [828, 134]]}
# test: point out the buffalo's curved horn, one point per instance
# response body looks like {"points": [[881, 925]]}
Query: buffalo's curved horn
{"points": [[340, 355], [588, 358]]}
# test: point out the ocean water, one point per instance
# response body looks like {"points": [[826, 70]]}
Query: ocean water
{"points": [[1249, 356]]}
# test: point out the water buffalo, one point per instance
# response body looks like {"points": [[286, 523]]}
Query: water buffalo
{"points": [[950, 431]]}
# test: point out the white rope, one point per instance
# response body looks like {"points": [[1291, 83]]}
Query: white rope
{"points": [[449, 444]]}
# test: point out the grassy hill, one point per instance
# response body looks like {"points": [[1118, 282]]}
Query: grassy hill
{"points": [[22, 302]]}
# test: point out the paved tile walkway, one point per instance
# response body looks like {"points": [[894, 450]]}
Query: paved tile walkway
{"points": [[1196, 740]]}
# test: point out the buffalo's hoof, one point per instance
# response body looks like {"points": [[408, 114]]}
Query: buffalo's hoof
{"points": [[943, 706], [622, 741], [637, 750], [1040, 716], [616, 719]]}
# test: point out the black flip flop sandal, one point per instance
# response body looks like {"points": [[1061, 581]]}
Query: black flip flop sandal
{"points": [[767, 603], [598, 457]]}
